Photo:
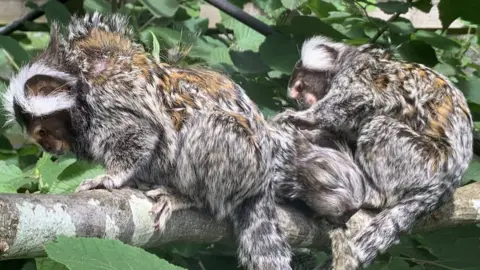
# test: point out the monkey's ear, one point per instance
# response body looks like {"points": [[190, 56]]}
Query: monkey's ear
{"points": [[320, 53]]}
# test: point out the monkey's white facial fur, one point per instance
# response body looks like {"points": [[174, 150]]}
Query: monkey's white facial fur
{"points": [[36, 102], [319, 53]]}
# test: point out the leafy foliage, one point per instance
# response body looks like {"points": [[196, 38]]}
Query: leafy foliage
{"points": [[174, 31], [102, 254]]}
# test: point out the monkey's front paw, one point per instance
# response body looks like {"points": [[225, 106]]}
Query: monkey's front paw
{"points": [[300, 119], [102, 181], [284, 117]]}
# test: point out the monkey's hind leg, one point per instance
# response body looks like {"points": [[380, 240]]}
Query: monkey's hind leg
{"points": [[166, 202], [261, 243], [409, 170]]}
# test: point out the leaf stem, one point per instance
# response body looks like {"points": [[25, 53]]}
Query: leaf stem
{"points": [[426, 262]]}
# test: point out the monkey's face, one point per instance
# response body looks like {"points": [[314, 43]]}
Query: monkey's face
{"points": [[307, 86], [47, 121], [52, 132]]}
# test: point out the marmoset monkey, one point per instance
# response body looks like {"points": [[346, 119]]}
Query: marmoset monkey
{"points": [[411, 126], [192, 134]]}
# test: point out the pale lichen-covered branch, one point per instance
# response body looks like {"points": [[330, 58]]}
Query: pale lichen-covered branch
{"points": [[27, 222]]}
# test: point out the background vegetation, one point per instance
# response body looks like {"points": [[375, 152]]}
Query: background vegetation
{"points": [[261, 64]]}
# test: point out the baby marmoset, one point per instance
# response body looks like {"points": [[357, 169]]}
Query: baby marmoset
{"points": [[411, 127], [193, 133]]}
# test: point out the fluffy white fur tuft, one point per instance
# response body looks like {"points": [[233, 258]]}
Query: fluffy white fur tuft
{"points": [[317, 58], [35, 105]]}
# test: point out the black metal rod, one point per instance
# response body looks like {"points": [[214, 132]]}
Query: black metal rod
{"points": [[15, 25], [242, 16]]}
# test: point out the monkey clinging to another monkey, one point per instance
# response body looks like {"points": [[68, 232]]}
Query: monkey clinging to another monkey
{"points": [[411, 128], [191, 134]]}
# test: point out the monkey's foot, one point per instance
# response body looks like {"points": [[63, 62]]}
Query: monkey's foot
{"points": [[102, 181], [165, 204]]}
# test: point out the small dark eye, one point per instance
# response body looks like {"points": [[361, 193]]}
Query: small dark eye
{"points": [[41, 132]]}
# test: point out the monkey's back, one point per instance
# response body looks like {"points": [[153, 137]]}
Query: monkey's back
{"points": [[432, 109], [411, 93]]}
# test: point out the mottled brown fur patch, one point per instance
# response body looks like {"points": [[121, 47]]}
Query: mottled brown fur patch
{"points": [[213, 84], [381, 82], [101, 40], [178, 118], [439, 83], [245, 124], [421, 73]]}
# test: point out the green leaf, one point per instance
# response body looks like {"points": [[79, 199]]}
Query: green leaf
{"points": [[5, 144], [269, 6], [455, 247], [11, 178], [321, 8], [97, 5], [103, 254], [445, 69], [248, 62], [264, 93], [46, 263], [471, 89], [56, 12], [307, 26], [423, 5], [473, 171], [437, 40], [48, 171], [228, 21], [220, 55], [165, 36], [13, 48], [450, 10], [293, 4], [279, 52], [164, 8], [193, 25], [246, 37], [419, 52], [156, 47], [401, 26], [392, 7], [73, 175]]}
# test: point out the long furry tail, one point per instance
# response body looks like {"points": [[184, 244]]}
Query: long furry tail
{"points": [[261, 243], [358, 251]]}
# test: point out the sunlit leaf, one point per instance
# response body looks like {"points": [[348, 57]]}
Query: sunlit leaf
{"points": [[164, 8], [103, 254]]}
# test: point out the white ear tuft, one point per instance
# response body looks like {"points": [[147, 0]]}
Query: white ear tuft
{"points": [[317, 57], [35, 105]]}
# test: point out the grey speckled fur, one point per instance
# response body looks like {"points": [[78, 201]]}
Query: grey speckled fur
{"points": [[191, 136], [411, 129]]}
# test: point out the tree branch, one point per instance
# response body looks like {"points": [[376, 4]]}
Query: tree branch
{"points": [[27, 222]]}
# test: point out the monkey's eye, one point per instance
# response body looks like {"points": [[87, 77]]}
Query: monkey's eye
{"points": [[41, 132]]}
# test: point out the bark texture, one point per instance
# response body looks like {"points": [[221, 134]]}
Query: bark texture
{"points": [[27, 222]]}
